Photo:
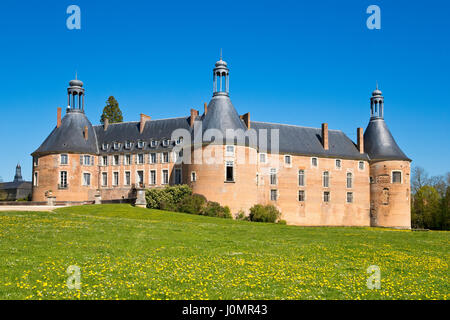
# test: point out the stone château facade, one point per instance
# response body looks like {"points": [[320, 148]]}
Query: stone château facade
{"points": [[315, 176]]}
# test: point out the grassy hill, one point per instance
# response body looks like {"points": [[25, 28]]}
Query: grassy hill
{"points": [[132, 253]]}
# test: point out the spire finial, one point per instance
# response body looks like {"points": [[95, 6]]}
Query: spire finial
{"points": [[220, 53], [377, 84], [76, 75]]}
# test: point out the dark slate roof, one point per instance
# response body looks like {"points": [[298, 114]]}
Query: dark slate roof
{"points": [[308, 141], [69, 136], [130, 131], [15, 185], [379, 142]]}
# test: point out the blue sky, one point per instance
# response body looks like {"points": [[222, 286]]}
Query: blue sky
{"points": [[296, 62]]}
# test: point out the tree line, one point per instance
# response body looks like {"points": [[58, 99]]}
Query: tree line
{"points": [[430, 200]]}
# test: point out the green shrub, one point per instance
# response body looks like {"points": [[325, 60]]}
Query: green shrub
{"points": [[167, 198], [192, 204], [214, 209], [267, 213], [282, 221], [241, 215]]}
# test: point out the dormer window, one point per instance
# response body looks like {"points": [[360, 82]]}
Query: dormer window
{"points": [[180, 140], [105, 146], [166, 142], [140, 144], [127, 145], [116, 145], [153, 143]]}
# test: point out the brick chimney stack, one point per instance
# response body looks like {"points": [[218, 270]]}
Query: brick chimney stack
{"points": [[144, 119], [325, 135], [194, 114], [206, 108], [58, 117], [246, 118], [360, 137], [106, 124], [85, 133]]}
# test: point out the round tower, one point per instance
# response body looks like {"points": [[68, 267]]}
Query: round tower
{"points": [[390, 204]]}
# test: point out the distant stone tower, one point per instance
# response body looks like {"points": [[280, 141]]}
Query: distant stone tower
{"points": [[390, 204], [18, 176]]}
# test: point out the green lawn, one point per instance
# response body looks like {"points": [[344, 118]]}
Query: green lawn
{"points": [[133, 253]]}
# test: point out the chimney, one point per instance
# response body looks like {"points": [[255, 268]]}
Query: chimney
{"points": [[246, 118], [144, 119], [325, 135], [194, 114], [206, 108], [58, 118], [85, 133], [360, 137], [105, 124]]}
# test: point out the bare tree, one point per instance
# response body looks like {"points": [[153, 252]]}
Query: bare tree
{"points": [[419, 178]]}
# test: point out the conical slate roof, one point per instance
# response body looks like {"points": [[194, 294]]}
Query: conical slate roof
{"points": [[379, 143], [69, 137], [222, 115]]}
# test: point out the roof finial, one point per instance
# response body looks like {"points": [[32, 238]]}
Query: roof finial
{"points": [[76, 75], [220, 53], [377, 84]]}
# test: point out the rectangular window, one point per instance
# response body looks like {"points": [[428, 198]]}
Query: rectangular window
{"points": [[63, 179], [326, 196], [35, 161], [301, 178], [361, 165], [105, 160], [229, 174], [86, 179], [87, 160], [287, 160], [349, 197], [177, 176], [152, 157], [127, 145], [165, 176], [396, 177], [193, 176], [140, 158], [273, 176], [127, 159], [116, 160], [273, 195], [152, 177], [349, 180], [35, 179], [153, 143], [165, 158], [326, 179], [166, 142], [140, 144], [64, 159], [127, 178], [314, 162], [104, 179], [338, 164], [140, 177], [301, 195], [229, 151], [262, 157], [115, 178], [116, 145]]}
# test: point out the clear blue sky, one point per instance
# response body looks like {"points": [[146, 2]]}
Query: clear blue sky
{"points": [[296, 62]]}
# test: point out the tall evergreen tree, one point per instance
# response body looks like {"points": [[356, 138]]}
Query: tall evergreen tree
{"points": [[111, 111]]}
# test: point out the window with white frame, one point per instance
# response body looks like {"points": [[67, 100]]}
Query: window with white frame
{"points": [[140, 158], [165, 157], [193, 176], [229, 171], [104, 160], [152, 177], [127, 159], [338, 164], [349, 180], [105, 146], [273, 194], [86, 179], [178, 176], [262, 157], [152, 158], [349, 197], [141, 144], [314, 162], [326, 196], [180, 140], [104, 179], [115, 178], [396, 177], [326, 179], [287, 160], [86, 160], [301, 178], [140, 177], [116, 160], [127, 145], [165, 177], [35, 161], [116, 145], [35, 179], [301, 195], [64, 159], [229, 151], [166, 142], [273, 176], [361, 165], [127, 181], [63, 179], [153, 143]]}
